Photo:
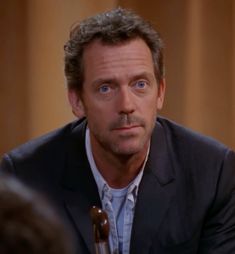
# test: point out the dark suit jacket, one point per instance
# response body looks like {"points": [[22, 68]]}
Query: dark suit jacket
{"points": [[186, 199]]}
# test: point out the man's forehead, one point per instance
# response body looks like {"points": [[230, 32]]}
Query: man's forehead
{"points": [[135, 54], [105, 44]]}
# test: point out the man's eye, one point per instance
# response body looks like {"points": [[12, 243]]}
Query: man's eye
{"points": [[141, 84], [104, 89]]}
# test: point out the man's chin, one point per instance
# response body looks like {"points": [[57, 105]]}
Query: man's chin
{"points": [[127, 150]]}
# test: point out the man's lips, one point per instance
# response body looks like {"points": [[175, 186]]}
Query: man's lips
{"points": [[131, 127]]}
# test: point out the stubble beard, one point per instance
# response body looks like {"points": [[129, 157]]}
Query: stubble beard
{"points": [[127, 145]]}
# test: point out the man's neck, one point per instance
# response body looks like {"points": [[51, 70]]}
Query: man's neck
{"points": [[119, 171]]}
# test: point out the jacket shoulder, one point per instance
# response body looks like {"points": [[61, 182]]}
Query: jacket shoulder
{"points": [[47, 141], [49, 148], [191, 142]]}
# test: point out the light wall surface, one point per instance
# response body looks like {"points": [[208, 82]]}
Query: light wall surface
{"points": [[13, 75]]}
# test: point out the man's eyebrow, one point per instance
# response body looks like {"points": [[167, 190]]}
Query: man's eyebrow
{"points": [[104, 81], [147, 75]]}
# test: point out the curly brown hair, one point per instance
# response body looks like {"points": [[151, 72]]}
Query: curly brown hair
{"points": [[112, 27]]}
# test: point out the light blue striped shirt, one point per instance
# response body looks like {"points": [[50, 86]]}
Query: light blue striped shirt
{"points": [[119, 204]]}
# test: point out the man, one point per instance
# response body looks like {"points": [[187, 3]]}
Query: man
{"points": [[165, 189]]}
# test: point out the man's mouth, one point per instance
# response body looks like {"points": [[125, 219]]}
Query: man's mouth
{"points": [[128, 127]]}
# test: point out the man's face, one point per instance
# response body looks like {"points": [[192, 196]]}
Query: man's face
{"points": [[120, 96]]}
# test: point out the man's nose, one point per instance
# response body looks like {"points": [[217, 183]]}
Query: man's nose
{"points": [[126, 102]]}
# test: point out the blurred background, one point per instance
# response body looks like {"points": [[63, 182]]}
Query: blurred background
{"points": [[199, 40]]}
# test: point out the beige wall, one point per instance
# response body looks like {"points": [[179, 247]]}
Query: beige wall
{"points": [[13, 85], [200, 60]]}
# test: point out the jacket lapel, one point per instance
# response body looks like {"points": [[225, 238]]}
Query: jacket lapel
{"points": [[155, 192], [80, 192]]}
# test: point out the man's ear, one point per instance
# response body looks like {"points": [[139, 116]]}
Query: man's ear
{"points": [[161, 93], [76, 103]]}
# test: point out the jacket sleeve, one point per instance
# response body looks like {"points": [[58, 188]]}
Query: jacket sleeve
{"points": [[218, 234]]}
